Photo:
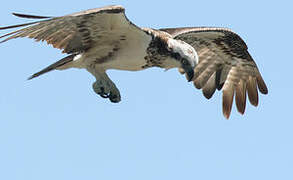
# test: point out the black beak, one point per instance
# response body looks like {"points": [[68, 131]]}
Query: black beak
{"points": [[189, 72]]}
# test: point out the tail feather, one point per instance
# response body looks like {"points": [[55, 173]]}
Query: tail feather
{"points": [[53, 66]]}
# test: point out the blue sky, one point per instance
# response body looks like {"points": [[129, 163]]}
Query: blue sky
{"points": [[56, 127]]}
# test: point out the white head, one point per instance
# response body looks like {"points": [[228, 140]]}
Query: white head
{"points": [[184, 54]]}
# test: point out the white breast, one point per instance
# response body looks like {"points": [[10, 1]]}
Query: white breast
{"points": [[130, 55]]}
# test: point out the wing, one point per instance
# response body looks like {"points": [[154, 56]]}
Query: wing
{"points": [[224, 63], [77, 32]]}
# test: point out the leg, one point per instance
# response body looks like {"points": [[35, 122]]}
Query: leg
{"points": [[104, 85]]}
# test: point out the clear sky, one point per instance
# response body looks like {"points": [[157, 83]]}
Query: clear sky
{"points": [[55, 127]]}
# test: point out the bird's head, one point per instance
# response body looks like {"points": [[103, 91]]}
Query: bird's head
{"points": [[184, 55]]}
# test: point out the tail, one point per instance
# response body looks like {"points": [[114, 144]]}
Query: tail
{"points": [[54, 66]]}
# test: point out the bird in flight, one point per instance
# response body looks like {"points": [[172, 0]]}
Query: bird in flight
{"points": [[103, 38]]}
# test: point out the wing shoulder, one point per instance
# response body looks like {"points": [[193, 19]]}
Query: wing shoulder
{"points": [[113, 9]]}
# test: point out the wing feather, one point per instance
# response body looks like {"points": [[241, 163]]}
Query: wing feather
{"points": [[228, 94], [224, 63], [240, 97], [201, 80], [261, 85], [76, 32], [252, 91], [210, 87], [30, 16]]}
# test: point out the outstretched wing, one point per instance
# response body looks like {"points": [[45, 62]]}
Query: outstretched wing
{"points": [[224, 62], [77, 32]]}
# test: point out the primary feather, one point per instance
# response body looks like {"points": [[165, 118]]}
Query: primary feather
{"points": [[224, 62]]}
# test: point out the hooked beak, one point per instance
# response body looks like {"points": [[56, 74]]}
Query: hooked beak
{"points": [[189, 70]]}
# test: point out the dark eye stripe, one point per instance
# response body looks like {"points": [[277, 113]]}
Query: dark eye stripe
{"points": [[176, 56]]}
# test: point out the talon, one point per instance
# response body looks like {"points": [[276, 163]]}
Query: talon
{"points": [[104, 95], [114, 98], [107, 90]]}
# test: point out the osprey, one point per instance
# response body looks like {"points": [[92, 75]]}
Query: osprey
{"points": [[103, 38]]}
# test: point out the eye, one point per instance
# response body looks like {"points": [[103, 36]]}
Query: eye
{"points": [[184, 62]]}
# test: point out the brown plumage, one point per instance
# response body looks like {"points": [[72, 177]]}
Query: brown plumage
{"points": [[228, 95], [210, 87], [224, 62], [241, 96], [71, 33]]}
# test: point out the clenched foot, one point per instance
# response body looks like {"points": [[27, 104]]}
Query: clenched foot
{"points": [[107, 89]]}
